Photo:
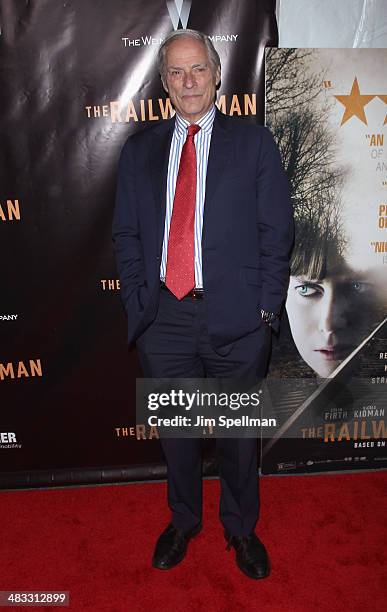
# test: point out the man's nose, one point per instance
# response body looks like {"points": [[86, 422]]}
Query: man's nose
{"points": [[189, 80], [333, 315]]}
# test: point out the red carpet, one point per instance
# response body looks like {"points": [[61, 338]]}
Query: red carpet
{"points": [[325, 536]]}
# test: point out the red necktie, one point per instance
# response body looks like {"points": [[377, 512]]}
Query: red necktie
{"points": [[180, 275]]}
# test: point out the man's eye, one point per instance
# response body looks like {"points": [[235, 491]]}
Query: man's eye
{"points": [[306, 290], [175, 72]]}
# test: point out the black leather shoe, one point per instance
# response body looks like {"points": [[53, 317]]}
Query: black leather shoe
{"points": [[172, 546], [250, 555]]}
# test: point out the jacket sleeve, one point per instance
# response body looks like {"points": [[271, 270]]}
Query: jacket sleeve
{"points": [[275, 224], [125, 231]]}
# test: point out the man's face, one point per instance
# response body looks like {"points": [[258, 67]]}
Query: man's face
{"points": [[190, 79]]}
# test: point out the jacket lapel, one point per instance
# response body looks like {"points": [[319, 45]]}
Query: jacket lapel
{"points": [[159, 157], [219, 162]]}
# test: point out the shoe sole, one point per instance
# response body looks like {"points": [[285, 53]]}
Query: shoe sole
{"points": [[194, 533]]}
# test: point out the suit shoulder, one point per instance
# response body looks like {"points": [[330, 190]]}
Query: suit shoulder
{"points": [[252, 138], [257, 131], [259, 134], [244, 125], [143, 135]]}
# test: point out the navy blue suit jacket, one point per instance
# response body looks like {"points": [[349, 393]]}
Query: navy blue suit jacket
{"points": [[247, 227]]}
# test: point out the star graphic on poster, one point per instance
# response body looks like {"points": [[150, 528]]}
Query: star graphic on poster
{"points": [[354, 103], [384, 98]]}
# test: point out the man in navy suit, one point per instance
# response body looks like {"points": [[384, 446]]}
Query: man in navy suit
{"points": [[202, 233]]}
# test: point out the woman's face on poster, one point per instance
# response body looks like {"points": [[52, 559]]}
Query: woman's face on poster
{"points": [[330, 317]]}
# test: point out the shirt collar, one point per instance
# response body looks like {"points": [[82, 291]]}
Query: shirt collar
{"points": [[206, 123]]}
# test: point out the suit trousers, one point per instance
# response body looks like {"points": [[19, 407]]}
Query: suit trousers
{"points": [[177, 345]]}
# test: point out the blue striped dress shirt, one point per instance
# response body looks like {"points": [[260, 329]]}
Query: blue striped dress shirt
{"points": [[202, 144]]}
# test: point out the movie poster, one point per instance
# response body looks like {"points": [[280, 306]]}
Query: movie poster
{"points": [[327, 109]]}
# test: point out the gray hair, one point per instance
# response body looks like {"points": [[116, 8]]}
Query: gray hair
{"points": [[203, 38]]}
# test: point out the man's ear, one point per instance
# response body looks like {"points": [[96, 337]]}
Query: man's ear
{"points": [[164, 83], [217, 76]]}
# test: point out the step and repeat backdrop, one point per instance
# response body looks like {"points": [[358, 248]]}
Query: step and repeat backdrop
{"points": [[77, 78]]}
